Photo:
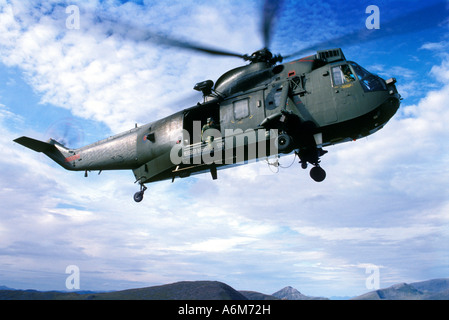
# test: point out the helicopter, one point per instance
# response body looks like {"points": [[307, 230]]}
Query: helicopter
{"points": [[261, 109]]}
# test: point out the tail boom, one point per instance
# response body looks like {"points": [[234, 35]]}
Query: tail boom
{"points": [[53, 149], [115, 153]]}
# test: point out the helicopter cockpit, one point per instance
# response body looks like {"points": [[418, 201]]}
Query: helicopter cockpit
{"points": [[347, 73], [342, 74], [369, 81]]}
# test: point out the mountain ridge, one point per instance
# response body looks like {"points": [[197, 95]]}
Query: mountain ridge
{"points": [[435, 289], [290, 293], [183, 290]]}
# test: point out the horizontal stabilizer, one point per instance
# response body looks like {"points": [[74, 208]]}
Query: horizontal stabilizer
{"points": [[36, 145]]}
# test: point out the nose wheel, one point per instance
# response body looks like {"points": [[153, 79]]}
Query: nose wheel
{"points": [[138, 196]]}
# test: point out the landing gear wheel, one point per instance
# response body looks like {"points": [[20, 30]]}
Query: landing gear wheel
{"points": [[283, 142], [138, 196], [318, 174]]}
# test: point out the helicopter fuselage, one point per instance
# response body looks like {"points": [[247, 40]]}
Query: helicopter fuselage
{"points": [[299, 106]]}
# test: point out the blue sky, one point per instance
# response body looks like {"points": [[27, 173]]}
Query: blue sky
{"points": [[384, 202]]}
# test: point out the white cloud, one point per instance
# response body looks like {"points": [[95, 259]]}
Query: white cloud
{"points": [[441, 72], [378, 235], [103, 77], [435, 46]]}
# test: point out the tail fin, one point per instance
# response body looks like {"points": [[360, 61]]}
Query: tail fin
{"points": [[53, 149]]}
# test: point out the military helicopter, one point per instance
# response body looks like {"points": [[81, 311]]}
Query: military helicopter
{"points": [[261, 109]]}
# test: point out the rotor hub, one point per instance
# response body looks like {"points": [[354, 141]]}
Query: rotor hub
{"points": [[264, 55]]}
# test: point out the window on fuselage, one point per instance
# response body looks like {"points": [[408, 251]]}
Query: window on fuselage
{"points": [[241, 109], [341, 75]]}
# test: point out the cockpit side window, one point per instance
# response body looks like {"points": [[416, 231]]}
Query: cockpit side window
{"points": [[341, 75]]}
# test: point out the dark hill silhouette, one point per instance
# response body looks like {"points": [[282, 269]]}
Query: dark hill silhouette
{"points": [[289, 293], [185, 290], [436, 289]]}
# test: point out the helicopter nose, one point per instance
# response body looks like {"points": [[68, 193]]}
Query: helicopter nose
{"points": [[390, 106], [391, 85], [384, 111], [395, 97]]}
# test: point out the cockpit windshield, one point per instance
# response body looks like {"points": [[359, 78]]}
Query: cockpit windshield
{"points": [[369, 81]]}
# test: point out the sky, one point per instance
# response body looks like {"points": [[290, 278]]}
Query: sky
{"points": [[384, 205]]}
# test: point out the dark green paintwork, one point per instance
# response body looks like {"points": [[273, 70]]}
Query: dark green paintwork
{"points": [[299, 98]]}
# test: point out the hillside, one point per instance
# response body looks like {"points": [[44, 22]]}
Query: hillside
{"points": [[289, 293], [437, 289], [186, 290], [37, 295], [254, 295]]}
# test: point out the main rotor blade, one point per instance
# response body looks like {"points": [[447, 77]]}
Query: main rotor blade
{"points": [[426, 18], [132, 32], [191, 46], [139, 35], [270, 12]]}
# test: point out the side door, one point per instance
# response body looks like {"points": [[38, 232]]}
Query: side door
{"points": [[240, 116], [243, 112], [344, 89], [319, 99]]}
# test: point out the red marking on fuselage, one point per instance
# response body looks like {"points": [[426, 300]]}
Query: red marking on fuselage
{"points": [[72, 158], [306, 59]]}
